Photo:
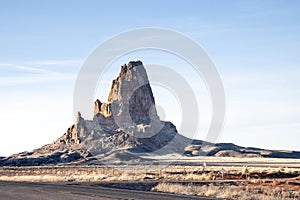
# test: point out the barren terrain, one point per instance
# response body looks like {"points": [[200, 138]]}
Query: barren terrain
{"points": [[233, 178]]}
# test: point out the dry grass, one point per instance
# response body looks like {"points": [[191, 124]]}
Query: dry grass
{"points": [[270, 186], [231, 191], [54, 178], [175, 173]]}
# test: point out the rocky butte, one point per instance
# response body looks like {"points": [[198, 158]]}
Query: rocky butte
{"points": [[126, 127]]}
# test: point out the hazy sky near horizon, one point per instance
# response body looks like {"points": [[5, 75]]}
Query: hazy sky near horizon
{"points": [[254, 44]]}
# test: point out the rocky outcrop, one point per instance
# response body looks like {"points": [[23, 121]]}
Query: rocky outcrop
{"points": [[128, 121], [45, 158], [102, 109], [125, 126], [130, 99], [131, 96], [73, 133], [231, 150]]}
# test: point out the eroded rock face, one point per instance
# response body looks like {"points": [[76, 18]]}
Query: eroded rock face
{"points": [[97, 107], [73, 133], [130, 100], [131, 96], [102, 108]]}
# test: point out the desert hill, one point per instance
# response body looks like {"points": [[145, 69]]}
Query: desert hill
{"points": [[125, 127]]}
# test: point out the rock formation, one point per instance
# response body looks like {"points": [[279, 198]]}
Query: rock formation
{"points": [[126, 126], [127, 121], [131, 96], [73, 132], [102, 108], [130, 99]]}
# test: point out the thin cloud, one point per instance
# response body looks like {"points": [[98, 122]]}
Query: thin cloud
{"points": [[9, 81], [13, 67], [54, 62], [16, 74]]}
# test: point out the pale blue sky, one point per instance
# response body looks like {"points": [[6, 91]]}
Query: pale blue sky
{"points": [[255, 45]]}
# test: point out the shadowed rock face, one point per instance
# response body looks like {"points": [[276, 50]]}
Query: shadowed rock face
{"points": [[127, 123], [130, 98]]}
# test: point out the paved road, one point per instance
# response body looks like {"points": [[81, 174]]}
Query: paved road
{"points": [[45, 191]]}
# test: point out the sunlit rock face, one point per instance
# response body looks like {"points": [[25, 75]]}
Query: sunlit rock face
{"points": [[130, 98]]}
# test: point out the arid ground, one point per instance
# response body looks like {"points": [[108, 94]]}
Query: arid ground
{"points": [[230, 178]]}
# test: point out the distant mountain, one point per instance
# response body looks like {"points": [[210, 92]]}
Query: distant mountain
{"points": [[126, 127]]}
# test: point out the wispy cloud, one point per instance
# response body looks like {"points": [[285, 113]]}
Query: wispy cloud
{"points": [[14, 67], [35, 72], [9, 81], [53, 62]]}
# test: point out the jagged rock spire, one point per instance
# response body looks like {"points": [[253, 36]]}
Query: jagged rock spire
{"points": [[72, 136], [102, 108], [130, 98]]}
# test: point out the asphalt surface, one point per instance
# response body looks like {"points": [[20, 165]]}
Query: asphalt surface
{"points": [[45, 191]]}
